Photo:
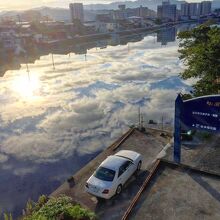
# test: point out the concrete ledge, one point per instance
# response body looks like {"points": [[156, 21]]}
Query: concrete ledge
{"points": [[201, 181], [149, 144]]}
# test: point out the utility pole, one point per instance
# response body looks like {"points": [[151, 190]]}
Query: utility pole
{"points": [[27, 67], [19, 19], [142, 121], [28, 71], [139, 117], [53, 62]]}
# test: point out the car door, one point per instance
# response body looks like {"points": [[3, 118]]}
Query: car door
{"points": [[124, 172], [129, 169]]}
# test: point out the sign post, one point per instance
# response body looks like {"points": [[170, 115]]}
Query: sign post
{"points": [[177, 129], [202, 113]]}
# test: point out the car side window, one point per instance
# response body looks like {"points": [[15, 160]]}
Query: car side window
{"points": [[121, 170], [124, 167], [127, 164]]}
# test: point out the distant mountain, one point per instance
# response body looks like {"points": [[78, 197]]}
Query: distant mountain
{"points": [[8, 13], [57, 14], [63, 14], [152, 4]]}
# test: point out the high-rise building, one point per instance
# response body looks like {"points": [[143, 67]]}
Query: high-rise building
{"points": [[204, 8], [196, 9], [166, 35], [166, 11], [184, 9], [122, 7], [76, 11], [193, 9]]}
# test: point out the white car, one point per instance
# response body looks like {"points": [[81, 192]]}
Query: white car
{"points": [[112, 174]]}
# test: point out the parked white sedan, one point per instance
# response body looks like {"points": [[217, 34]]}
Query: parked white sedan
{"points": [[112, 174]]}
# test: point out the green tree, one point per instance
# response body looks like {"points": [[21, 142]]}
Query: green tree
{"points": [[200, 52], [8, 216], [158, 21], [56, 208]]}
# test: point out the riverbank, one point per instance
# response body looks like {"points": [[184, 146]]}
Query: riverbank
{"points": [[77, 45], [101, 36]]}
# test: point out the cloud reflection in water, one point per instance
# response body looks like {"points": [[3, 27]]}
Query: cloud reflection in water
{"points": [[53, 122]]}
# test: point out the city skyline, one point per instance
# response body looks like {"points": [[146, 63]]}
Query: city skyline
{"points": [[22, 5]]}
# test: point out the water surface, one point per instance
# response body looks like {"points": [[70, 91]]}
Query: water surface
{"points": [[53, 120]]}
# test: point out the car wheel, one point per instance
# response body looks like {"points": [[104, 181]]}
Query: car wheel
{"points": [[118, 190], [139, 165], [100, 200]]}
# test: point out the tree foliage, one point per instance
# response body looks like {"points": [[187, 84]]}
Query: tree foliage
{"points": [[61, 208], [8, 216], [200, 52]]}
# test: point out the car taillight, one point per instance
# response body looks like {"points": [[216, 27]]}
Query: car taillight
{"points": [[87, 185], [105, 191]]}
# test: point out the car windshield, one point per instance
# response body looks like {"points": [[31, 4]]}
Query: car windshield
{"points": [[105, 174]]}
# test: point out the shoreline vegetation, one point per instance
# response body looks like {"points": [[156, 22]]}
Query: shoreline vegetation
{"points": [[62, 208]]}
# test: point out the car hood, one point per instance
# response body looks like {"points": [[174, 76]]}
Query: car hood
{"points": [[99, 183]]}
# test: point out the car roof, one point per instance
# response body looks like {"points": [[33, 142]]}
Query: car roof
{"points": [[113, 162], [129, 154]]}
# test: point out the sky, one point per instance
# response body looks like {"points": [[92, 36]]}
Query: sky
{"points": [[25, 4], [21, 4]]}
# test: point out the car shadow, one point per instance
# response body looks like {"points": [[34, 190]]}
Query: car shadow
{"points": [[118, 204]]}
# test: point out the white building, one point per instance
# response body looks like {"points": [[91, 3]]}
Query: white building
{"points": [[105, 27], [166, 11], [76, 11], [136, 20]]}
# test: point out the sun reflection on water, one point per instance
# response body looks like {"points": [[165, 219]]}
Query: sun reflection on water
{"points": [[26, 85]]}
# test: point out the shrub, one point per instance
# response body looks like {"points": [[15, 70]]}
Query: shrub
{"points": [[61, 208]]}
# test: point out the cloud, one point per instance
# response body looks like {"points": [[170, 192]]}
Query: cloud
{"points": [[83, 105], [3, 158], [35, 147], [22, 171], [83, 114]]}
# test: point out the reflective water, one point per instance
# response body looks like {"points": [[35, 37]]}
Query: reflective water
{"points": [[54, 119]]}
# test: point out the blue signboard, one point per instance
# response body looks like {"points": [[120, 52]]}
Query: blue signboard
{"points": [[201, 113]]}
